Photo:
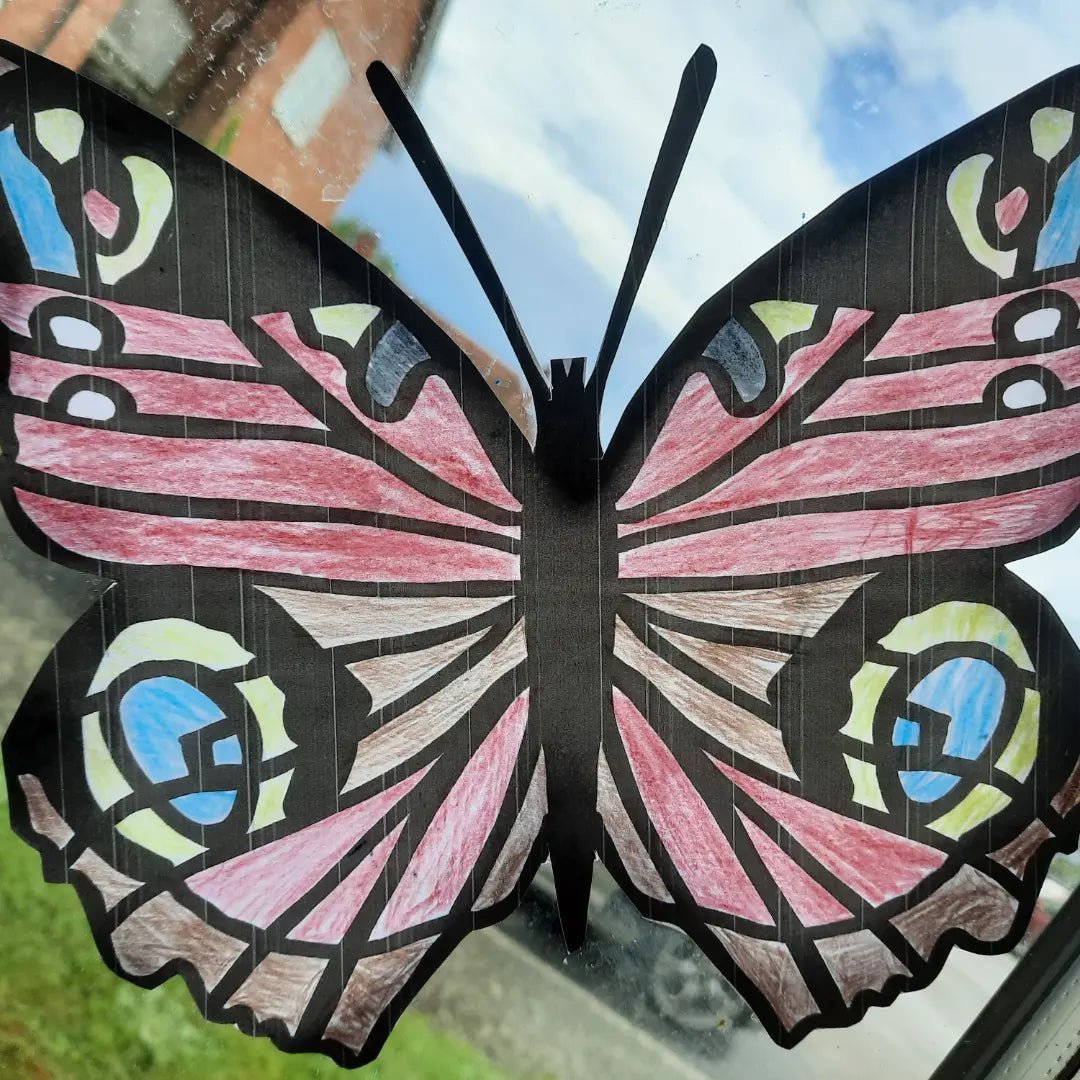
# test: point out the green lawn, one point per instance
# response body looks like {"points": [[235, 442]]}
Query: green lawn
{"points": [[63, 1014]]}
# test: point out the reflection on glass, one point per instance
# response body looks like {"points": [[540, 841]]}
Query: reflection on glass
{"points": [[142, 46], [278, 88], [549, 116]]}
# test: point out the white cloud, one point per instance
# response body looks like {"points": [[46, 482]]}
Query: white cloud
{"points": [[563, 104], [1056, 574], [991, 51]]}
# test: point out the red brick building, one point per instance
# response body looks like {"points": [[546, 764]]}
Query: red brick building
{"points": [[277, 86]]}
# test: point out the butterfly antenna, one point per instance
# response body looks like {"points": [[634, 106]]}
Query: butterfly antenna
{"points": [[699, 75], [409, 129]]}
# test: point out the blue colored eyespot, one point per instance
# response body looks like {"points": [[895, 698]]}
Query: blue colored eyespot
{"points": [[205, 807], [971, 692], [905, 732], [926, 785], [228, 751], [155, 715]]}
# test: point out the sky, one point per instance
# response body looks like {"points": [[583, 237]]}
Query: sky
{"points": [[549, 113]]}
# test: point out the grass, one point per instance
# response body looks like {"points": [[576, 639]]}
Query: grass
{"points": [[63, 1014], [224, 144]]}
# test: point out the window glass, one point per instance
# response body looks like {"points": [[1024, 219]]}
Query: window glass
{"points": [[549, 116]]}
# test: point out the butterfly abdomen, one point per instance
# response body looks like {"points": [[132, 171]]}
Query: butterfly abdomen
{"points": [[568, 574]]}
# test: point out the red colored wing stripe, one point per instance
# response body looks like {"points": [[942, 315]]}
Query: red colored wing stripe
{"points": [[699, 431], [260, 885], [102, 213], [879, 460], [962, 383], [146, 330], [876, 864], [812, 903], [167, 393], [955, 327], [436, 433], [325, 368], [261, 470], [328, 922], [780, 545], [311, 549], [690, 834], [447, 852]]}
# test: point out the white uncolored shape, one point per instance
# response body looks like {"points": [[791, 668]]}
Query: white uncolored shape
{"points": [[1023, 395], [75, 333], [1037, 324], [90, 405], [309, 93]]}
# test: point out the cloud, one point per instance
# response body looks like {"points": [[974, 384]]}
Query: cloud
{"points": [[1054, 574], [554, 110], [563, 105]]}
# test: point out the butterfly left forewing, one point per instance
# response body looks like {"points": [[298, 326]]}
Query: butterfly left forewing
{"points": [[289, 752], [840, 738]]}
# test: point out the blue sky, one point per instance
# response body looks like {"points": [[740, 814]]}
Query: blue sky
{"points": [[549, 112]]}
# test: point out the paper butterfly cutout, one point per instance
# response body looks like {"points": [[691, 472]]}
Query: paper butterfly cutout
{"points": [[375, 647]]}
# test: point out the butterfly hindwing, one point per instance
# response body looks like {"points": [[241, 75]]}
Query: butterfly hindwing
{"points": [[840, 739], [289, 752]]}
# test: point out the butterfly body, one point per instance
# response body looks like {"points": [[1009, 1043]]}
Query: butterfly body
{"points": [[375, 645]]}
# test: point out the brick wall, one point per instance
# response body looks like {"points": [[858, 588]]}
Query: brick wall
{"points": [[317, 176], [223, 91]]}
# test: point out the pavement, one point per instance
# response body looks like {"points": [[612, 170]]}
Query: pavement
{"points": [[534, 1022]]}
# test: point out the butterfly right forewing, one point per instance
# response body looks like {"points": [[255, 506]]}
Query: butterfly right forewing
{"points": [[839, 739]]}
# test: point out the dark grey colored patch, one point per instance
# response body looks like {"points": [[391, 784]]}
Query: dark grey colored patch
{"points": [[394, 357], [737, 353]]}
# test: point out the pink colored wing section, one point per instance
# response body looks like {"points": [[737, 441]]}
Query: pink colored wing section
{"points": [[260, 470], [168, 393], [780, 545], [260, 885], [328, 921], [308, 549], [102, 213], [878, 460], [811, 902], [690, 834], [699, 431], [878, 865], [1009, 210], [959, 383], [448, 852], [956, 327], [146, 330], [435, 433]]}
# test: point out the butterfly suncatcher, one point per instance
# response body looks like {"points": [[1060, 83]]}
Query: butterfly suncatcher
{"points": [[376, 646]]}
